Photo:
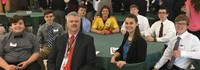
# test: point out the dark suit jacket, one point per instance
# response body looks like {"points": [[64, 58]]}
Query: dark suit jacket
{"points": [[136, 52], [83, 57]]}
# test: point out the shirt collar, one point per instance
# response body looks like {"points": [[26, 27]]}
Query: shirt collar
{"points": [[46, 24], [164, 21], [14, 35], [183, 35], [70, 35], [83, 18]]}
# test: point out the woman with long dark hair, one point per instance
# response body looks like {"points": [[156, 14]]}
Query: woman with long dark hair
{"points": [[134, 47]]}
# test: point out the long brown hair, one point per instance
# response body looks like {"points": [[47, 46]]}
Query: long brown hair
{"points": [[196, 5], [106, 7], [137, 30]]}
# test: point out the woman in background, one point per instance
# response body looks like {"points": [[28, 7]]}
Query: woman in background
{"points": [[134, 47], [105, 23], [193, 12]]}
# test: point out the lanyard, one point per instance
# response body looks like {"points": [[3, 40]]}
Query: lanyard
{"points": [[69, 47], [65, 59]]}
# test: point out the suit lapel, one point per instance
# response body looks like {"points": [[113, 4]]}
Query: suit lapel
{"points": [[77, 44], [64, 43]]}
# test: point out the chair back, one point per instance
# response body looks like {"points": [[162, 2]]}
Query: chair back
{"points": [[27, 20], [4, 21], [195, 63], [134, 66], [28, 23]]}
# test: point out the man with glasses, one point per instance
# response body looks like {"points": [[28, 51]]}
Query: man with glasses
{"points": [[162, 30], [181, 48], [46, 35]]}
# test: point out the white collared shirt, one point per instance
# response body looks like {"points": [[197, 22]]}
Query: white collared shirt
{"points": [[190, 49], [143, 24], [168, 31]]}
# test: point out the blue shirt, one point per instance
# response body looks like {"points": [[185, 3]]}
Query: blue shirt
{"points": [[125, 49], [86, 25]]}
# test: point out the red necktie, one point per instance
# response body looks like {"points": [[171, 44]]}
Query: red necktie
{"points": [[68, 65]]}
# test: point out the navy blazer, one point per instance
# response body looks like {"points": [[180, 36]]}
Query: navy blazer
{"points": [[137, 50], [83, 57]]}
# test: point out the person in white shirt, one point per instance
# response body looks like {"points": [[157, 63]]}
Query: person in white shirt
{"points": [[188, 48], [142, 20], [167, 32]]}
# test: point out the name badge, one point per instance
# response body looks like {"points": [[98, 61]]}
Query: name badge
{"points": [[13, 44], [181, 46], [55, 30], [107, 24]]}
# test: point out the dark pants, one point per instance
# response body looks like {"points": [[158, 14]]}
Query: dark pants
{"points": [[44, 55], [197, 33], [3, 7], [32, 66], [164, 67]]}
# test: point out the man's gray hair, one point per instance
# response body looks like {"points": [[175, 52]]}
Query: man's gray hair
{"points": [[72, 14]]}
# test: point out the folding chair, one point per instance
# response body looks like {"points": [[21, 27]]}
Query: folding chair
{"points": [[28, 23], [4, 22], [195, 63]]}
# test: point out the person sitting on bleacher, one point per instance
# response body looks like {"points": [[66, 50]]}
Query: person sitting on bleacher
{"points": [[142, 20], [105, 23]]}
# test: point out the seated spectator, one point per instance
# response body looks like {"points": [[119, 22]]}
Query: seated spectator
{"points": [[90, 9], [134, 47], [19, 49], [142, 20], [105, 23], [85, 23], [162, 30], [181, 49], [46, 36]]}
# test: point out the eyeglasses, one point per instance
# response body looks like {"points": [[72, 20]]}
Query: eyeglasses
{"points": [[178, 23], [162, 12]]}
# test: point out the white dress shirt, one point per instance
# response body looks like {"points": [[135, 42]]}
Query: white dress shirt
{"points": [[143, 24], [168, 31], [190, 49]]}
